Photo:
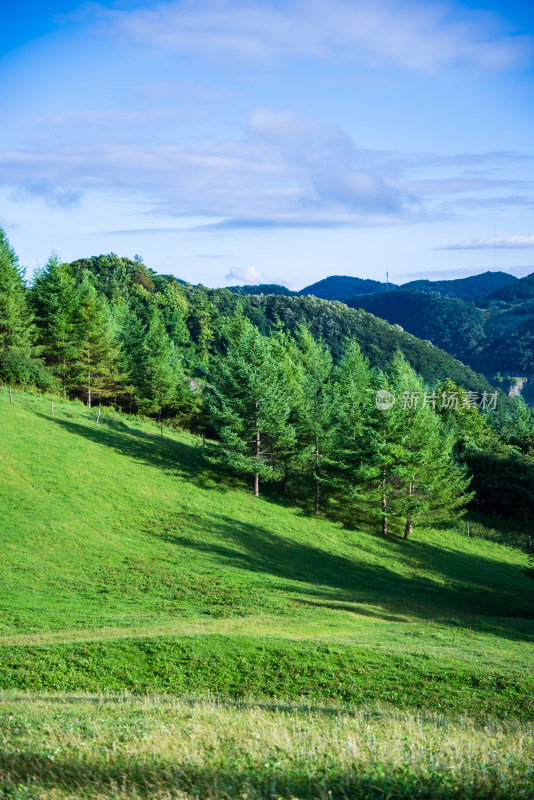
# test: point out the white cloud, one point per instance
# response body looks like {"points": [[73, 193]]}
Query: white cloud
{"points": [[246, 275], [285, 170], [414, 35], [506, 242]]}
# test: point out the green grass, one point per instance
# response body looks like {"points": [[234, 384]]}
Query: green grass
{"points": [[162, 747], [129, 563]]}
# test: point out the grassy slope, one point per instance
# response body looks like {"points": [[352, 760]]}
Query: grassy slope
{"points": [[128, 562]]}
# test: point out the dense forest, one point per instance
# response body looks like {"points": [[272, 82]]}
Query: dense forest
{"points": [[285, 387], [494, 334]]}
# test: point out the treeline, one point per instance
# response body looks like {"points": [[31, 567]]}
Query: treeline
{"points": [[110, 330], [284, 411]]}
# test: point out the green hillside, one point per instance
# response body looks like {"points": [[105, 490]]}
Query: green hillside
{"points": [[448, 322], [129, 564], [110, 531]]}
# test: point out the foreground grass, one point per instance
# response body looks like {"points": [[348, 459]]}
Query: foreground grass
{"points": [[240, 667], [59, 747]]}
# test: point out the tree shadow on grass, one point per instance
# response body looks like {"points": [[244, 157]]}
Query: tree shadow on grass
{"points": [[329, 578], [145, 777], [465, 583], [170, 456]]}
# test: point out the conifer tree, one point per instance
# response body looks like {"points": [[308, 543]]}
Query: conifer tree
{"points": [[314, 424], [16, 330], [408, 470], [285, 353], [350, 406], [132, 332], [55, 302], [97, 363], [162, 374], [248, 406]]}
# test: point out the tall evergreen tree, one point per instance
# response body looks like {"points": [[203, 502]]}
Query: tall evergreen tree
{"points": [[97, 364], [407, 467], [19, 361], [248, 406], [55, 302], [351, 401], [162, 368], [16, 330], [314, 424]]}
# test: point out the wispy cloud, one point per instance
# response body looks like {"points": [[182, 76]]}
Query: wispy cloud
{"points": [[138, 231], [247, 275], [286, 170], [465, 272], [43, 188], [412, 35], [505, 242]]}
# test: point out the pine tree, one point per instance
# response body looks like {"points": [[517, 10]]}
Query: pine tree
{"points": [[351, 402], [248, 406], [291, 372], [16, 330], [97, 363], [408, 471], [55, 302], [378, 456], [314, 423], [162, 368]]}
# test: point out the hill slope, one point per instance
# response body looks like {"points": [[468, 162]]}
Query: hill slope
{"points": [[464, 288], [340, 287], [115, 536], [515, 293], [448, 322]]}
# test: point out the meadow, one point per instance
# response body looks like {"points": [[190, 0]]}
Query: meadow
{"points": [[229, 646]]}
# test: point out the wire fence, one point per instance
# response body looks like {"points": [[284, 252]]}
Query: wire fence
{"points": [[60, 407]]}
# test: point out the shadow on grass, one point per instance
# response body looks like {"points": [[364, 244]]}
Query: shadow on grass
{"points": [[28, 774], [170, 456], [467, 587], [466, 584]]}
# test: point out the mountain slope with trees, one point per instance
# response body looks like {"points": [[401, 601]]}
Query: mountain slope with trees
{"points": [[464, 288], [340, 287]]}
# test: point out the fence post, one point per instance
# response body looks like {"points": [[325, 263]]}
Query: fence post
{"points": [[98, 417], [467, 524], [52, 404], [161, 428], [10, 399]]}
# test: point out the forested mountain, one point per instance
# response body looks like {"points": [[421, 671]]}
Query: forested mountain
{"points": [[341, 287], [513, 294], [262, 288], [449, 323], [497, 337], [464, 288]]}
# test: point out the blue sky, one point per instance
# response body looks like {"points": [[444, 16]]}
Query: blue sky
{"points": [[244, 142]]}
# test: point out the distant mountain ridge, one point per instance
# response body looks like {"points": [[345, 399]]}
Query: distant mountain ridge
{"points": [[485, 320], [514, 293], [464, 288], [341, 287], [344, 287]]}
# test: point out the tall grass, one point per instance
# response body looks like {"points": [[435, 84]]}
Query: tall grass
{"points": [[161, 747]]}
